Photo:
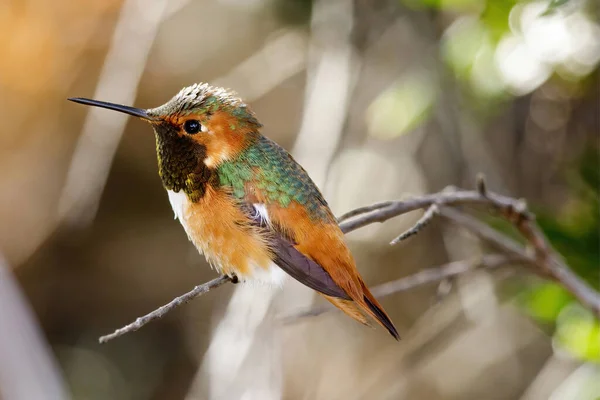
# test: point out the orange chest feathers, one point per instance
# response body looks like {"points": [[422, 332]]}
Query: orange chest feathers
{"points": [[222, 232]]}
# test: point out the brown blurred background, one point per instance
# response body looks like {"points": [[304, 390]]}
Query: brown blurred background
{"points": [[378, 100]]}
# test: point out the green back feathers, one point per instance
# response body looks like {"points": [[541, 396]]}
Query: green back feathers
{"points": [[274, 173]]}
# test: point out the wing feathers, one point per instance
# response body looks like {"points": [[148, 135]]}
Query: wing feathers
{"points": [[313, 275], [304, 269], [296, 264]]}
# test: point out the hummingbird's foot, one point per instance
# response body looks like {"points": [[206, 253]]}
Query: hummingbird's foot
{"points": [[234, 279]]}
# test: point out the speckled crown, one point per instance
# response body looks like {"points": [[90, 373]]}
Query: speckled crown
{"points": [[200, 98]]}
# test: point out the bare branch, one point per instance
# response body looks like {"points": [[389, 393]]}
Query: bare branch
{"points": [[392, 209], [543, 261], [160, 312], [429, 275], [364, 210], [431, 212]]}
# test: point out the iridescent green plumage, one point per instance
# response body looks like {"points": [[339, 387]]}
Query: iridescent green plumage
{"points": [[272, 171]]}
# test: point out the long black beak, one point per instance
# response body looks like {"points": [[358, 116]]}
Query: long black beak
{"points": [[136, 112]]}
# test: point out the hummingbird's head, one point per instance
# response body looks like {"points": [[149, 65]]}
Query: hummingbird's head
{"points": [[212, 117], [200, 127]]}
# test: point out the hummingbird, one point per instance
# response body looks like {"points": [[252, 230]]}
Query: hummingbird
{"points": [[245, 203]]}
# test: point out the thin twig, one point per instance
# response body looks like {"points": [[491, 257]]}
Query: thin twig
{"points": [[489, 261], [431, 212], [364, 210], [160, 312], [429, 275]]}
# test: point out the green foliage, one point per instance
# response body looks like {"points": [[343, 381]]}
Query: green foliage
{"points": [[574, 233], [578, 332], [546, 300], [402, 107], [496, 11], [496, 17], [455, 5], [469, 47]]}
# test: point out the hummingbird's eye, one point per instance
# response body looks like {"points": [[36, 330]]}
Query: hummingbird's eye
{"points": [[192, 126]]}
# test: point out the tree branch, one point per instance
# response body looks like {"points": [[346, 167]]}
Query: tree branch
{"points": [[160, 312], [543, 260], [383, 211], [431, 212]]}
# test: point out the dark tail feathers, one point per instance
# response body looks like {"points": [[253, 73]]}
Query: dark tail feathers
{"points": [[383, 318]]}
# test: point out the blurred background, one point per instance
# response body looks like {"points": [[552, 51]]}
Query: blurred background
{"points": [[378, 100]]}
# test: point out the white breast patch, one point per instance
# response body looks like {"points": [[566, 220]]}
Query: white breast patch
{"points": [[179, 202]]}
